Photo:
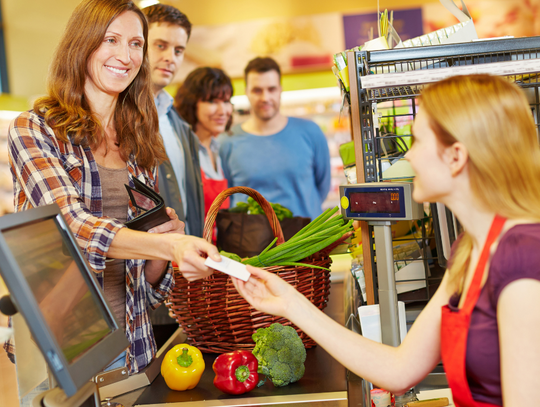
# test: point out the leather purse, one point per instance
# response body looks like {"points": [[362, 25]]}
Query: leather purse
{"points": [[150, 207]]}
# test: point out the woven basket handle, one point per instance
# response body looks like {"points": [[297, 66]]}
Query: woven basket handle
{"points": [[265, 205]]}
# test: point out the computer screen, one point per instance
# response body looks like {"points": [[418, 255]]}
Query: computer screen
{"points": [[53, 287]]}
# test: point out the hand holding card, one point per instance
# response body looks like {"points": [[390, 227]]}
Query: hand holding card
{"points": [[230, 267]]}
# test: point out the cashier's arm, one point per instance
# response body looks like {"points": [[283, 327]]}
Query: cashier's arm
{"points": [[518, 315], [394, 369]]}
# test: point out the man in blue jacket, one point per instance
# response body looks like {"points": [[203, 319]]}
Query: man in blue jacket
{"points": [[180, 182], [286, 159]]}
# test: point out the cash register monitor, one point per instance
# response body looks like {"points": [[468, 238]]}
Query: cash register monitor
{"points": [[58, 295]]}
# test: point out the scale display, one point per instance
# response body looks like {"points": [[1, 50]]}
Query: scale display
{"points": [[379, 201], [375, 202]]}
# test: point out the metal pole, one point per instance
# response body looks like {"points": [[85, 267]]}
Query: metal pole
{"points": [[384, 251]]}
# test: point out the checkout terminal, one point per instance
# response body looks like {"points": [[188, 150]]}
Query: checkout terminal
{"points": [[51, 285]]}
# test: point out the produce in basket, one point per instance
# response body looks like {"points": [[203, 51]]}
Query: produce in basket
{"points": [[217, 319], [252, 207], [236, 372], [315, 236], [281, 354], [182, 367]]}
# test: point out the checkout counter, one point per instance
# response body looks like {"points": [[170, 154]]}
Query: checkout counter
{"points": [[51, 258], [74, 332], [324, 383]]}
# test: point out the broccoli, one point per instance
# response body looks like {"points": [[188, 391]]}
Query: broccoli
{"points": [[281, 354]]}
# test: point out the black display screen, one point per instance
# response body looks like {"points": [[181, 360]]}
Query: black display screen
{"points": [[74, 317], [375, 202]]}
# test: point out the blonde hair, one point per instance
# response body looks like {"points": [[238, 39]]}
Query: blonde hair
{"points": [[491, 117]]}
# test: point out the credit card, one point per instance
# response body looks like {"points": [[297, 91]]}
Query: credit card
{"points": [[230, 267]]}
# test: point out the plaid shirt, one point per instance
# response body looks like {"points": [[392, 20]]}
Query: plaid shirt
{"points": [[46, 171]]}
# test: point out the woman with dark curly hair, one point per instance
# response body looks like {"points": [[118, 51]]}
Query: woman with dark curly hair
{"points": [[204, 101]]}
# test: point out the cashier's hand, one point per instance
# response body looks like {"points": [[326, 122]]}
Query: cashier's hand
{"points": [[175, 225], [267, 292]]}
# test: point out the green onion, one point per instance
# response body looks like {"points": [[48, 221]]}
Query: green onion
{"points": [[315, 236]]}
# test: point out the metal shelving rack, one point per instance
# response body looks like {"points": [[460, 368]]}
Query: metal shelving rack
{"points": [[398, 76]]}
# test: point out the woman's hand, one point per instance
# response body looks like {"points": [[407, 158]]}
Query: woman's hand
{"points": [[175, 225], [267, 292], [188, 255]]}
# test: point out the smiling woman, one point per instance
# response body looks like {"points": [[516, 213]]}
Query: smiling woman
{"points": [[95, 130], [114, 65], [204, 101]]}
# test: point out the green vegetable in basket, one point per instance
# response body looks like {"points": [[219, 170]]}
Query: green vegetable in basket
{"points": [[252, 207], [281, 211], [232, 256], [315, 236], [241, 207], [281, 354]]}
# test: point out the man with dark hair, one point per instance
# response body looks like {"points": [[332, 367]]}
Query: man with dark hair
{"points": [[180, 182], [286, 159], [179, 178]]}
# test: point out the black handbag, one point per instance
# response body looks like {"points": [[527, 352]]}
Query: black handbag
{"points": [[150, 207]]}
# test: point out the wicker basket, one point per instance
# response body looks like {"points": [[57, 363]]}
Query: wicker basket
{"points": [[216, 318]]}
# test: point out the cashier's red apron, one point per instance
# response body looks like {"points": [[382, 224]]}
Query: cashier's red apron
{"points": [[455, 329], [212, 188]]}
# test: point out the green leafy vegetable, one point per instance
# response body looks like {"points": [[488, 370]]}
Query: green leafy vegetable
{"points": [[317, 235], [252, 207], [232, 256], [281, 354]]}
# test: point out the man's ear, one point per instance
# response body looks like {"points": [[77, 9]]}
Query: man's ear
{"points": [[456, 156]]}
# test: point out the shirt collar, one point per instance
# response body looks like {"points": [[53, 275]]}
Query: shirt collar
{"points": [[214, 146], [163, 102]]}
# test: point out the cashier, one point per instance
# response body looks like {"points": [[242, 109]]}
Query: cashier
{"points": [[475, 150], [96, 130]]}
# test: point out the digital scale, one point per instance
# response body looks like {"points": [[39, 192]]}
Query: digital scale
{"points": [[381, 204], [377, 201]]}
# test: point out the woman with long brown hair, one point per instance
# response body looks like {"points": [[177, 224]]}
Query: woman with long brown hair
{"points": [[475, 150], [96, 130]]}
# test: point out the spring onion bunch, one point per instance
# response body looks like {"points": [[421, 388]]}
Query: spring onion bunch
{"points": [[317, 235]]}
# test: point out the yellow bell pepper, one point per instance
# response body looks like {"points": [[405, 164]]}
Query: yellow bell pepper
{"points": [[182, 367]]}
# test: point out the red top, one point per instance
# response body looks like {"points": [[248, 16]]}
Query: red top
{"points": [[212, 188]]}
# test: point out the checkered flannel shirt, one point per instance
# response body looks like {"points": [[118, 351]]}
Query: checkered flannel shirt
{"points": [[45, 171]]}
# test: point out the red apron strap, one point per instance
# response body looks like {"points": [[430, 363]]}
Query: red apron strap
{"points": [[455, 328], [475, 288]]}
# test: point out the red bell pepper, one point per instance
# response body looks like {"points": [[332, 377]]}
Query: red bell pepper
{"points": [[236, 372]]}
